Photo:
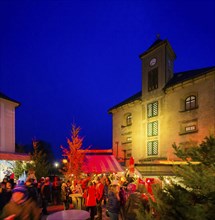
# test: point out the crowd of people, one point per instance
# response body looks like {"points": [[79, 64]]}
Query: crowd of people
{"points": [[29, 200]]}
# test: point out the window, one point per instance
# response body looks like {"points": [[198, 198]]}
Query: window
{"points": [[153, 79], [190, 128], [128, 139], [187, 127], [129, 119], [152, 128], [190, 102], [152, 148], [152, 109]]}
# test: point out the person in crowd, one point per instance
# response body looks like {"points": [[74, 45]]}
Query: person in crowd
{"points": [[99, 196], [77, 193], [122, 195], [31, 177], [114, 201], [20, 206], [11, 180], [4, 198], [39, 186], [56, 190], [106, 187], [46, 195], [32, 191], [6, 194], [65, 192], [90, 199]]}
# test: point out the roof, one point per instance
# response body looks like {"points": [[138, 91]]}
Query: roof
{"points": [[133, 98], [14, 156], [3, 96], [156, 44], [190, 74], [102, 164], [177, 78]]}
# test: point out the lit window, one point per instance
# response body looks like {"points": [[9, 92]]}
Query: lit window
{"points": [[153, 79], [128, 139], [152, 128], [129, 119], [152, 148], [190, 102], [190, 128], [152, 109]]}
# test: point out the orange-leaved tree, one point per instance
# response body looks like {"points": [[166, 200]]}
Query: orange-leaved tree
{"points": [[74, 156]]}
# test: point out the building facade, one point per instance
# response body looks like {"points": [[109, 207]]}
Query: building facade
{"points": [[171, 108], [7, 135], [7, 123]]}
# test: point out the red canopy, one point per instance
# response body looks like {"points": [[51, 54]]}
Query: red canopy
{"points": [[102, 164], [14, 156]]}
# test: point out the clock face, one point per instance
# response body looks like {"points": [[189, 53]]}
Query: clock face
{"points": [[153, 62]]}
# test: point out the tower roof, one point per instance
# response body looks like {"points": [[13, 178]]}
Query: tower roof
{"points": [[157, 43]]}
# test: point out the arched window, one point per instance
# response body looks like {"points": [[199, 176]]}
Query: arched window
{"points": [[190, 102]]}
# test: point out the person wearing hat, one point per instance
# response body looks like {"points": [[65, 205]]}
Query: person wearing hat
{"points": [[20, 206]]}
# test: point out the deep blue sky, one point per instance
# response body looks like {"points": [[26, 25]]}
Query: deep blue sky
{"points": [[70, 61]]}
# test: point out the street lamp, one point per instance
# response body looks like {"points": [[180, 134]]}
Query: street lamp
{"points": [[56, 164]]}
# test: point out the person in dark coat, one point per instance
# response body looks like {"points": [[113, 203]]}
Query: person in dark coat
{"points": [[46, 195], [114, 202], [32, 191]]}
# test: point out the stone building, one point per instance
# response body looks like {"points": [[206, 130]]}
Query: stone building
{"points": [[171, 108]]}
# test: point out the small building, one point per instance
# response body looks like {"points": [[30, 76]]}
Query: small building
{"points": [[171, 108], [7, 134]]}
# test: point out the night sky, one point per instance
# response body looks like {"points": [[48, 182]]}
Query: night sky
{"points": [[70, 61]]}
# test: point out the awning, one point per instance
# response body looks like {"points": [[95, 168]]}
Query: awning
{"points": [[14, 156], [102, 164]]}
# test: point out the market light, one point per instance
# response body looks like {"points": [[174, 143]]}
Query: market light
{"points": [[64, 161]]}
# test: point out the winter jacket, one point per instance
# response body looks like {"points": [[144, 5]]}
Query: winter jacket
{"points": [[99, 191], [90, 196], [46, 191], [113, 203]]}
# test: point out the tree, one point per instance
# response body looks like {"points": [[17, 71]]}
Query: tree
{"points": [[41, 157], [19, 168], [74, 157], [191, 193], [41, 165]]}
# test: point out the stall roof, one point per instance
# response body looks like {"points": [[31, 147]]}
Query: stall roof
{"points": [[102, 164], [14, 156]]}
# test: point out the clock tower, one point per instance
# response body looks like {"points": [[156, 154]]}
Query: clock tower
{"points": [[157, 67]]}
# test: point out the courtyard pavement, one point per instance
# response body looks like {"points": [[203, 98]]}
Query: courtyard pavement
{"points": [[55, 208]]}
